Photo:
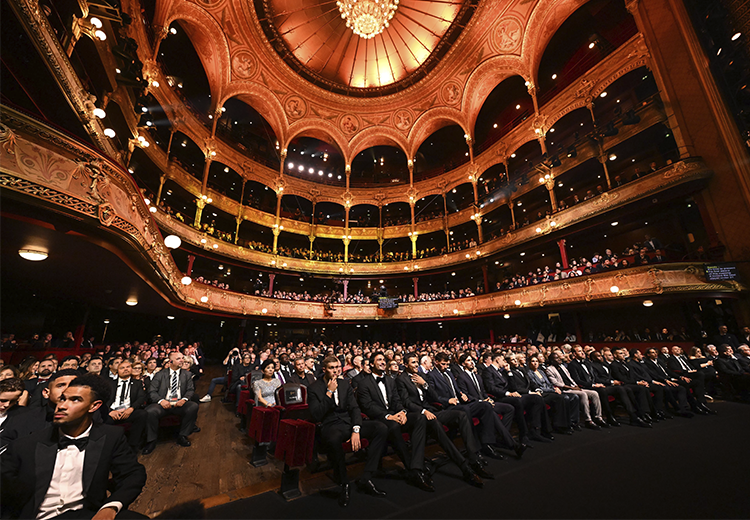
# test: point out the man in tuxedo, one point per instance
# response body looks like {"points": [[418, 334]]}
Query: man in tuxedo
{"points": [[11, 390], [357, 364], [664, 355], [364, 373], [527, 408], [743, 356], [125, 404], [682, 401], [301, 376], [491, 429], [637, 382], [417, 395], [378, 398], [37, 385], [170, 392], [690, 378], [285, 367], [333, 404], [730, 368], [591, 406], [603, 375], [64, 470]]}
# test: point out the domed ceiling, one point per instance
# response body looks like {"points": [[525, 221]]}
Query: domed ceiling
{"points": [[312, 36]]}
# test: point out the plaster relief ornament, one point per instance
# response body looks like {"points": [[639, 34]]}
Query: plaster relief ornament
{"points": [[244, 64], [402, 120], [295, 107], [507, 35], [451, 92], [349, 124]]}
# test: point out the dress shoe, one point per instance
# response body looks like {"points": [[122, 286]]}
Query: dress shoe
{"points": [[614, 422], [647, 418], [520, 449], [420, 481], [637, 421], [661, 416], [491, 452], [564, 431], [479, 470], [577, 427], [538, 438], [482, 461], [368, 487], [700, 411], [183, 441], [346, 495], [601, 423], [196, 429], [707, 409], [472, 478], [148, 448], [593, 426]]}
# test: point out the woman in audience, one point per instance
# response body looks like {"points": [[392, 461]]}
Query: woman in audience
{"points": [[264, 388], [136, 370], [28, 368], [704, 366], [11, 372]]}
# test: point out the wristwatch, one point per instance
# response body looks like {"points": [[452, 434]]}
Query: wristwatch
{"points": [[356, 429]]}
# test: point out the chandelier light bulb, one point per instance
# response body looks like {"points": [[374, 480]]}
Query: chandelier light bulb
{"points": [[204, 299], [109, 133], [367, 18], [96, 22]]}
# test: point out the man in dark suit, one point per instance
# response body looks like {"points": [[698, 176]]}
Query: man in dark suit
{"points": [[125, 404], [582, 371], [622, 372], [170, 392], [491, 429], [624, 393], [64, 470], [417, 395], [301, 376], [681, 400], [724, 337], [692, 379], [743, 356], [664, 355], [357, 364], [378, 398], [541, 428], [730, 368], [364, 373], [332, 403], [527, 407], [36, 386]]}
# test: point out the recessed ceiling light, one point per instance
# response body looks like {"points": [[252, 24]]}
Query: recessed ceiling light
{"points": [[204, 299], [34, 255], [506, 316], [647, 303], [170, 317], [172, 241], [614, 289], [614, 223], [132, 302]]}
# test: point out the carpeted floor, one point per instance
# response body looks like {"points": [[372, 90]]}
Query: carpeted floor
{"points": [[682, 468]]}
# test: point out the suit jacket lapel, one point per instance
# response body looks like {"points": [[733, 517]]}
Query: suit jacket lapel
{"points": [[377, 390], [93, 453], [45, 457]]}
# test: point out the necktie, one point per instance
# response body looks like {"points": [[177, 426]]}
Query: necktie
{"points": [[450, 383], [120, 393], [683, 363], [476, 383], [64, 442], [173, 386]]}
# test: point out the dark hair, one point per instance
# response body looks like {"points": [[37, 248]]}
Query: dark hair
{"points": [[16, 372], [94, 358], [410, 355], [650, 349], [68, 358], [266, 363], [722, 348], [99, 387], [374, 355], [633, 351], [63, 373], [463, 358], [12, 384], [49, 357], [442, 356]]}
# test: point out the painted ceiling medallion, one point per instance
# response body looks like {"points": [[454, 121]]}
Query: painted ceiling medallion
{"points": [[363, 47]]}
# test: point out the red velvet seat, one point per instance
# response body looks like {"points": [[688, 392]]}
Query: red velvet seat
{"points": [[244, 401], [292, 399], [294, 442], [264, 424]]}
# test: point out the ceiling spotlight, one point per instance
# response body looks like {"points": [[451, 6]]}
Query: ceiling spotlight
{"points": [[109, 133], [96, 22], [173, 30], [614, 223], [264, 310], [155, 84], [734, 37], [186, 280], [216, 246], [518, 107], [517, 302], [603, 94], [152, 209], [523, 254], [647, 303], [203, 240], [100, 35], [132, 302], [106, 322], [614, 289], [172, 241], [506, 316], [455, 311], [512, 156], [591, 45], [101, 114], [170, 317], [554, 76], [612, 157], [34, 255], [204, 299]]}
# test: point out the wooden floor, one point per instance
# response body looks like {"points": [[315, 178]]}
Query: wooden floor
{"points": [[216, 467]]}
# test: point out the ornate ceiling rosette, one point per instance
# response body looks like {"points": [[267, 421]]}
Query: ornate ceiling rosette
{"points": [[313, 38]]}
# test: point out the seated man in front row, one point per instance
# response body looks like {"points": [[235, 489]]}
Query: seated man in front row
{"points": [[332, 403], [170, 393], [63, 470]]}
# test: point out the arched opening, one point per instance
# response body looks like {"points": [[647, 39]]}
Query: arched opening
{"points": [[396, 214], [315, 160], [259, 196], [223, 179], [248, 131], [178, 202], [379, 165], [364, 215], [151, 115], [507, 106], [460, 197], [296, 208], [330, 214], [443, 151], [429, 208], [188, 155]]}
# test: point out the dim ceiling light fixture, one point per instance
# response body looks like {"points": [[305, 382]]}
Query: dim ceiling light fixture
{"points": [[647, 303], [34, 255], [132, 302], [367, 18]]}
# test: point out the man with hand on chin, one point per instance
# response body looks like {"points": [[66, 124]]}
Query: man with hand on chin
{"points": [[64, 470], [332, 403]]}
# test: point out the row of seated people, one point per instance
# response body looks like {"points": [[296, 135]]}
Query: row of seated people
{"points": [[562, 393]]}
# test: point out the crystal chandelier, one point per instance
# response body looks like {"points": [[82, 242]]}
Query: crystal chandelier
{"points": [[367, 18]]}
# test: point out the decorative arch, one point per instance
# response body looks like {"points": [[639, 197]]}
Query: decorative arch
{"points": [[376, 136], [262, 100], [317, 129], [485, 78], [432, 121]]}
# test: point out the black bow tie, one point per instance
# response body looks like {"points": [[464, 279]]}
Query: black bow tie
{"points": [[379, 379], [64, 442]]}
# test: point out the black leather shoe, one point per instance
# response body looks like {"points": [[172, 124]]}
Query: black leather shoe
{"points": [[646, 417], [614, 422], [707, 409], [593, 426], [637, 421], [539, 438], [196, 429], [661, 416], [183, 441], [472, 478], [491, 452], [564, 431], [479, 470], [601, 423], [481, 460], [346, 495], [368, 487], [577, 427], [419, 480], [548, 436], [520, 449], [148, 448]]}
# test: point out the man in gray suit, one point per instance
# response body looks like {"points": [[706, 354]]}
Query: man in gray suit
{"points": [[170, 392]]}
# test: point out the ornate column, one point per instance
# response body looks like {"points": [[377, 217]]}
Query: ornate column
{"points": [[172, 131], [603, 161], [271, 277], [445, 223], [346, 288], [162, 180], [563, 253], [237, 230], [477, 218], [548, 180], [347, 239], [209, 152], [485, 279], [415, 279], [199, 205], [512, 213], [531, 89]]}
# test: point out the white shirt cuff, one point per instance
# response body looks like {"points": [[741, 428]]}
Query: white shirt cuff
{"points": [[116, 505]]}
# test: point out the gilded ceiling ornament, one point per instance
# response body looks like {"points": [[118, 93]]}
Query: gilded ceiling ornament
{"points": [[106, 214], [7, 140], [295, 107], [451, 93], [349, 124], [244, 64], [507, 35], [402, 120]]}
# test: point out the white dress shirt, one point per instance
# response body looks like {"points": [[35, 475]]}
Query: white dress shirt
{"points": [[383, 392], [3, 417], [65, 492], [177, 394], [122, 395]]}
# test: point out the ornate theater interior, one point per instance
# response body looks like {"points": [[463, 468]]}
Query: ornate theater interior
{"points": [[311, 171]]}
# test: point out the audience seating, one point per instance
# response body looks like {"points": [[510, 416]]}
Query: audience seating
{"points": [[294, 446]]}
